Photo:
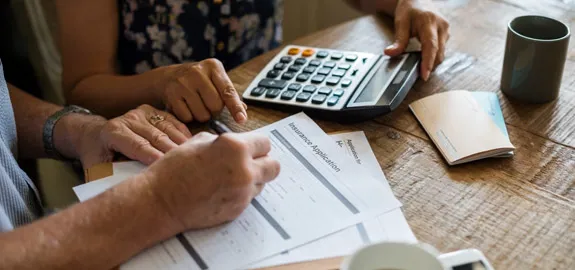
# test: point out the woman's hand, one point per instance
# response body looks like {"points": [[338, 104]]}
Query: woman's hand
{"points": [[418, 18], [142, 134], [196, 91]]}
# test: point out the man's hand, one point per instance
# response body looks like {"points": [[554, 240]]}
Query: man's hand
{"points": [[196, 91], [143, 134], [210, 180], [418, 18]]}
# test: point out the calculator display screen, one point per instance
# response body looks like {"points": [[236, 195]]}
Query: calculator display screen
{"points": [[380, 80]]}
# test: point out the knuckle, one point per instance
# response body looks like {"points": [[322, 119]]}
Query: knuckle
{"points": [[232, 143], [159, 137], [212, 62], [132, 115], [114, 125], [139, 145], [229, 91], [145, 107]]}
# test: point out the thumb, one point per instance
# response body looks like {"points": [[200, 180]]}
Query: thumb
{"points": [[402, 35]]}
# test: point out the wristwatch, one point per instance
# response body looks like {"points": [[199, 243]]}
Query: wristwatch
{"points": [[48, 131]]}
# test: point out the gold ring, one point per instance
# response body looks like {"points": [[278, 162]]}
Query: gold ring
{"points": [[154, 119]]}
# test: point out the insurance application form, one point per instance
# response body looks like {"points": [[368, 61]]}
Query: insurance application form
{"points": [[319, 191], [390, 226]]}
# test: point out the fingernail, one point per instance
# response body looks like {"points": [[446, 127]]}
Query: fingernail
{"points": [[241, 117], [391, 47]]}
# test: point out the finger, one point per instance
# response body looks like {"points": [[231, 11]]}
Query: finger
{"points": [[156, 137], [196, 105], [210, 95], [402, 35], [134, 146], [267, 169], [228, 93], [181, 110], [429, 48], [176, 130], [203, 137], [443, 37], [257, 190], [258, 144]]}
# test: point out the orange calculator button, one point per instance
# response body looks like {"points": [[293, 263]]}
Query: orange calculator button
{"points": [[293, 51], [307, 53]]}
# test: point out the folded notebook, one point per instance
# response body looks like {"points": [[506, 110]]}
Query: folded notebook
{"points": [[465, 126]]}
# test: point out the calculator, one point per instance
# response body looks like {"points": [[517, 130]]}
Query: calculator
{"points": [[345, 86]]}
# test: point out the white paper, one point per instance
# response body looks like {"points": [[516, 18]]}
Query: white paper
{"points": [[318, 192], [390, 226]]}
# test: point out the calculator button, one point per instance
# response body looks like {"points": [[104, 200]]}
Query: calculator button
{"points": [[344, 66], [258, 91], [303, 97], [279, 66], [323, 71], [338, 72], [322, 54], [293, 51], [273, 74], [336, 56], [294, 68], [345, 82], [288, 95], [318, 99], [300, 61], [351, 57], [309, 88], [294, 87], [307, 53], [314, 63], [273, 93], [332, 100], [317, 79], [332, 81], [288, 75], [329, 64], [302, 77], [285, 59], [324, 90], [338, 92], [270, 83], [309, 69]]}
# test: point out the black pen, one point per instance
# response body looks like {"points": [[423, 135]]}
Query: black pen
{"points": [[218, 127]]}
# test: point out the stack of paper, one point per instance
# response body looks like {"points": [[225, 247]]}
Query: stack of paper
{"points": [[327, 201]]}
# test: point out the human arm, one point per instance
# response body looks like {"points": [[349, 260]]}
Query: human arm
{"points": [[418, 18], [207, 181], [97, 234], [88, 41], [91, 138]]}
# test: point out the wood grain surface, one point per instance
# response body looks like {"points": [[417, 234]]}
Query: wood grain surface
{"points": [[519, 211]]}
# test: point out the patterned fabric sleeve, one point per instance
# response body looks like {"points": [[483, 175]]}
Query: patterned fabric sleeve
{"points": [[156, 33]]}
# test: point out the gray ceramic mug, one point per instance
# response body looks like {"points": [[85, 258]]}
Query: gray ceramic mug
{"points": [[535, 55]]}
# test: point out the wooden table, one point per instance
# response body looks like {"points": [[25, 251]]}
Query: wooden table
{"points": [[520, 211]]}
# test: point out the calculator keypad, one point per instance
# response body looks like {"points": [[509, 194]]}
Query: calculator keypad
{"points": [[303, 97], [269, 83], [310, 76]]}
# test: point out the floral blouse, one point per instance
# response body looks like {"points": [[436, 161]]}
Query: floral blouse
{"points": [[156, 33]]}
